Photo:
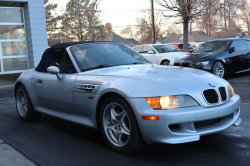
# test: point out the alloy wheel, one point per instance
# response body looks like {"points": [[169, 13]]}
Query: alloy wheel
{"points": [[22, 105], [166, 63], [116, 124], [219, 69]]}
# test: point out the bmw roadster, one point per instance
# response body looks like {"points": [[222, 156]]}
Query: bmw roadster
{"points": [[110, 87]]}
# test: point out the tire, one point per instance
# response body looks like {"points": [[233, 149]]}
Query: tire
{"points": [[165, 62], [119, 126], [218, 69], [24, 106]]}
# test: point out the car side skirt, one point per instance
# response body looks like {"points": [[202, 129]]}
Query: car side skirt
{"points": [[69, 117]]}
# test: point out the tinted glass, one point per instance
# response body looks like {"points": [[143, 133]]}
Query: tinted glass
{"points": [[112, 54], [248, 44], [180, 46], [137, 49], [13, 48], [165, 48], [213, 46], [146, 49], [11, 15], [11, 64], [12, 32], [239, 45]]}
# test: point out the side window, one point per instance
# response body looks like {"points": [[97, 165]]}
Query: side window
{"points": [[138, 49], [146, 49], [239, 45], [60, 59], [248, 44]]}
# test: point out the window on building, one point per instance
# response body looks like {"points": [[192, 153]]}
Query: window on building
{"points": [[13, 45]]}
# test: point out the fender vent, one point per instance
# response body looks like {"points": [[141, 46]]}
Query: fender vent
{"points": [[87, 88], [211, 96]]}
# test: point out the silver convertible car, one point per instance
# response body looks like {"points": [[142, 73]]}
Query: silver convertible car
{"points": [[110, 87]]}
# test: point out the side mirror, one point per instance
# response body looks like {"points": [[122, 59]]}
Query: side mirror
{"points": [[150, 52], [55, 70], [232, 49]]}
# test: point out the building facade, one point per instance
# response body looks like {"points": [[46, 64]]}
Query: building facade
{"points": [[23, 35]]}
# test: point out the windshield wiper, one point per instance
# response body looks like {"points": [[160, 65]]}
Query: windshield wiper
{"points": [[137, 63], [97, 67]]}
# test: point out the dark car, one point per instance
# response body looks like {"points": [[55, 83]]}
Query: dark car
{"points": [[220, 57], [180, 47]]}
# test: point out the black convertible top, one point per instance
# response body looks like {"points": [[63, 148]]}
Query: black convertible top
{"points": [[59, 51]]}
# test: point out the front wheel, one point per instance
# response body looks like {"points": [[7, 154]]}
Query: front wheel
{"points": [[165, 62], [218, 69], [119, 126]]}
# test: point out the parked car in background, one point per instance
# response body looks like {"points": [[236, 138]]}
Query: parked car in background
{"points": [[180, 47], [110, 87], [220, 57], [160, 54]]}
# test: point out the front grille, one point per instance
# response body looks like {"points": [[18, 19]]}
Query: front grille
{"points": [[185, 64], [223, 93], [176, 64], [211, 96]]}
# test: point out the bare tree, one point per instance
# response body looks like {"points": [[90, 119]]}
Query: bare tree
{"points": [[51, 20], [144, 30], [128, 31], [244, 6], [186, 10], [108, 29], [170, 31]]}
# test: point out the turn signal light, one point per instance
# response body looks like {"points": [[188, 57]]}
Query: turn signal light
{"points": [[150, 117], [154, 102], [231, 90]]}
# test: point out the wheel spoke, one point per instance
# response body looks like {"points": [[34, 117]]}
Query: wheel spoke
{"points": [[124, 131], [121, 115], [113, 114], [117, 136], [111, 126]]}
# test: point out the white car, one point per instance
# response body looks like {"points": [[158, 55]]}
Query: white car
{"points": [[160, 54]]}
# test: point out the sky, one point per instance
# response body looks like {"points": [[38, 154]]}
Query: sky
{"points": [[118, 12]]}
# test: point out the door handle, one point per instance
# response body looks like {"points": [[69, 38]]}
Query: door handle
{"points": [[39, 81]]}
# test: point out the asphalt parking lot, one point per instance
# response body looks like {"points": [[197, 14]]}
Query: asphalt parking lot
{"points": [[54, 142]]}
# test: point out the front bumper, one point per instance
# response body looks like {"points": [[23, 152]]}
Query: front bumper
{"points": [[192, 64], [184, 124]]}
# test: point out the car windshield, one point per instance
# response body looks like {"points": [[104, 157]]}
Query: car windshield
{"points": [[165, 48], [98, 55], [213, 46]]}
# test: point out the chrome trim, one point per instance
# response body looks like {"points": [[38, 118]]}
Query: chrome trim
{"points": [[206, 99], [220, 102], [86, 87], [242, 71], [73, 60]]}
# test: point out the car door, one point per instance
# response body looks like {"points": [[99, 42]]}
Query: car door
{"points": [[151, 57], [237, 57], [53, 93], [247, 56]]}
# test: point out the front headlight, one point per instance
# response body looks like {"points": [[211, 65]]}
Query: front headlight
{"points": [[172, 62], [171, 102], [202, 63], [231, 90]]}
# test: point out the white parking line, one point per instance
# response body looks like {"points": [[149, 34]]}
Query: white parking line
{"points": [[11, 157]]}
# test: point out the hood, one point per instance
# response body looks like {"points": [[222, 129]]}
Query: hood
{"points": [[194, 56], [183, 79]]}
